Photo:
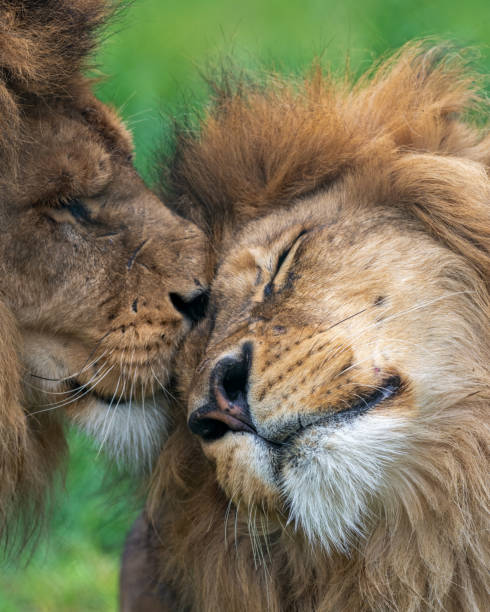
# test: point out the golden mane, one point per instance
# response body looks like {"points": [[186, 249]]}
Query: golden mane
{"points": [[260, 147]]}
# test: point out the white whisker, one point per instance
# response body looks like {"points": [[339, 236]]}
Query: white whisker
{"points": [[74, 399], [105, 431]]}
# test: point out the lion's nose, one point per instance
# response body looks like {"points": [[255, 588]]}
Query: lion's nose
{"points": [[227, 409], [192, 307]]}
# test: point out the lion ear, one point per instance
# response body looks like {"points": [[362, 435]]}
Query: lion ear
{"points": [[451, 195], [43, 45]]}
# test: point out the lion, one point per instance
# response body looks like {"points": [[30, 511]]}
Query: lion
{"points": [[336, 454], [100, 280]]}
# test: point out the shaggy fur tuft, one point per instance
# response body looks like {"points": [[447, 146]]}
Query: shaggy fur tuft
{"points": [[44, 45], [261, 147]]}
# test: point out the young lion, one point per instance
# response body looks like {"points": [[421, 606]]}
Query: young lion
{"points": [[340, 404], [100, 281]]}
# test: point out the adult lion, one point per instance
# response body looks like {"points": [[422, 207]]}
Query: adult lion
{"points": [[99, 280], [340, 404]]}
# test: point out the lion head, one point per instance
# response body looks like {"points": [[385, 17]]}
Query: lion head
{"points": [[342, 396], [100, 281]]}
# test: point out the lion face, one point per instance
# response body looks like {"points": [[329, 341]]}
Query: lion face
{"points": [[103, 281], [340, 333]]}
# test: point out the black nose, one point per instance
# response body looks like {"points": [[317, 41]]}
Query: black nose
{"points": [[192, 307], [228, 408]]}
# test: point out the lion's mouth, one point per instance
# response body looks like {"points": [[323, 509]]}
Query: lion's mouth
{"points": [[211, 425], [363, 403], [118, 397], [106, 398]]}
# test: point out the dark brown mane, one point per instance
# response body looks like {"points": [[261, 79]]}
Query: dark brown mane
{"points": [[45, 44], [96, 271], [259, 147], [44, 47]]}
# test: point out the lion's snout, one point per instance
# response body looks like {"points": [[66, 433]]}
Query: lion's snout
{"points": [[267, 389]]}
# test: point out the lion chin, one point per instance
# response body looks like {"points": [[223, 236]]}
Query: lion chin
{"points": [[329, 478], [338, 390], [132, 433]]}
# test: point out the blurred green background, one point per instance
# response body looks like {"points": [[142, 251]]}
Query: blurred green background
{"points": [[153, 56]]}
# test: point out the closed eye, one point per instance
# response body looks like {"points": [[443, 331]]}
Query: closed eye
{"points": [[281, 260], [284, 255], [78, 210]]}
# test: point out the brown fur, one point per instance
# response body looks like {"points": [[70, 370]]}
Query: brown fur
{"points": [[389, 178], [88, 259]]}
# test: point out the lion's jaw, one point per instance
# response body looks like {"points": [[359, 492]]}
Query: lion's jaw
{"points": [[341, 345]]}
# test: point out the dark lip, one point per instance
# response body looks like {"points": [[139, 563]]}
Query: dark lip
{"points": [[114, 399], [76, 385], [391, 387]]}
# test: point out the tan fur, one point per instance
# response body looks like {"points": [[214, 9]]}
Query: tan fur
{"points": [[384, 509], [89, 259]]}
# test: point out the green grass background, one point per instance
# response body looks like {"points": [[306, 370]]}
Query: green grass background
{"points": [[153, 58]]}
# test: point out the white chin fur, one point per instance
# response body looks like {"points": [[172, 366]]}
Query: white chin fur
{"points": [[336, 473], [132, 434]]}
